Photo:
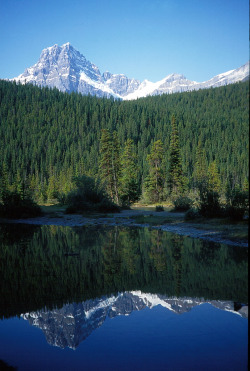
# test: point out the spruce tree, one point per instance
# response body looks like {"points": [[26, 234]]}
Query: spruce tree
{"points": [[200, 170], [116, 166], [155, 180], [176, 179], [209, 195], [110, 165], [105, 165], [214, 182], [4, 181], [129, 174]]}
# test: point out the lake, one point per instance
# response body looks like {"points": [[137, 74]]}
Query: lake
{"points": [[120, 298]]}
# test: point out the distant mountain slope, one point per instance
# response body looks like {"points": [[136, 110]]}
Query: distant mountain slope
{"points": [[68, 70]]}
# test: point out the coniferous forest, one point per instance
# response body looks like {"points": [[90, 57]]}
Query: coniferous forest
{"points": [[146, 148]]}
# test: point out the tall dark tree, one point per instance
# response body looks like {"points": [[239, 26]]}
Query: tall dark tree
{"points": [[116, 166], [129, 174], [200, 169], [110, 166], [176, 178], [106, 166], [155, 181], [4, 181], [214, 182]]}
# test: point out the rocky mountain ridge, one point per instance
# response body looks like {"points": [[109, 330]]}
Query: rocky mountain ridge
{"points": [[66, 69]]}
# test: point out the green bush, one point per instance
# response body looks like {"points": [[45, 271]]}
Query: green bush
{"points": [[159, 208], [209, 205], [89, 195], [235, 213], [192, 214], [237, 203], [182, 203], [14, 206]]}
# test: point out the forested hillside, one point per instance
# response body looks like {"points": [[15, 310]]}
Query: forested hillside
{"points": [[47, 137]]}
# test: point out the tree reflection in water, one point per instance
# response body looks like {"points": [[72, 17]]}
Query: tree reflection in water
{"points": [[49, 266]]}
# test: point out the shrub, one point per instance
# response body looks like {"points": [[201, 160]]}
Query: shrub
{"points": [[235, 213], [107, 205], [237, 203], [209, 205], [159, 208], [192, 214], [89, 195], [182, 203], [15, 206]]}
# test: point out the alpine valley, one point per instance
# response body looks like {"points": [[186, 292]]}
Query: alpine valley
{"points": [[65, 68]]}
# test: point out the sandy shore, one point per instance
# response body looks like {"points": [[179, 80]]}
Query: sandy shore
{"points": [[126, 218]]}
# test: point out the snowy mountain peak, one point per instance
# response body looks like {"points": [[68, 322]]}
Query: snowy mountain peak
{"points": [[67, 45], [68, 70]]}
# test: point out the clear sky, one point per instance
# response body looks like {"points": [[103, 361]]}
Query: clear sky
{"points": [[144, 39]]}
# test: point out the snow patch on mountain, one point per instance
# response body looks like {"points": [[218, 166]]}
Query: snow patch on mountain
{"points": [[106, 303], [152, 300]]}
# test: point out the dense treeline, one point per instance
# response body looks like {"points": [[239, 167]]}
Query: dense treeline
{"points": [[48, 137], [50, 266]]}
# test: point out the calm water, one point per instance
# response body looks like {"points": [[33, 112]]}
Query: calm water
{"points": [[120, 299]]}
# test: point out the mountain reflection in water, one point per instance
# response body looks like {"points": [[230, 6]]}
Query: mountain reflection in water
{"points": [[73, 323]]}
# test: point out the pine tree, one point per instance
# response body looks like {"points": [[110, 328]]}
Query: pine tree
{"points": [[4, 181], [52, 190], [110, 166], [106, 168], [214, 182], [155, 181], [129, 174], [245, 186], [116, 166], [200, 169], [176, 179]]}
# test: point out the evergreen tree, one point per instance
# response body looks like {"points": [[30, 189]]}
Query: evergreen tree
{"points": [[52, 190], [129, 174], [210, 193], [245, 187], [110, 165], [4, 181], [200, 170], [106, 165], [116, 167], [176, 179], [214, 183], [155, 180]]}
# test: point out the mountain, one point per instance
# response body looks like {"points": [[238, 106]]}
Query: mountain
{"points": [[68, 70], [178, 83], [70, 325]]}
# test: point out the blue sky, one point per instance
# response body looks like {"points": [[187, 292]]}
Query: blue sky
{"points": [[140, 38]]}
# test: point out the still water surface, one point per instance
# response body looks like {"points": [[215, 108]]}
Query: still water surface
{"points": [[120, 299]]}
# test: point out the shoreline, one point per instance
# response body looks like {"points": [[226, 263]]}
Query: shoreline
{"points": [[125, 218]]}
